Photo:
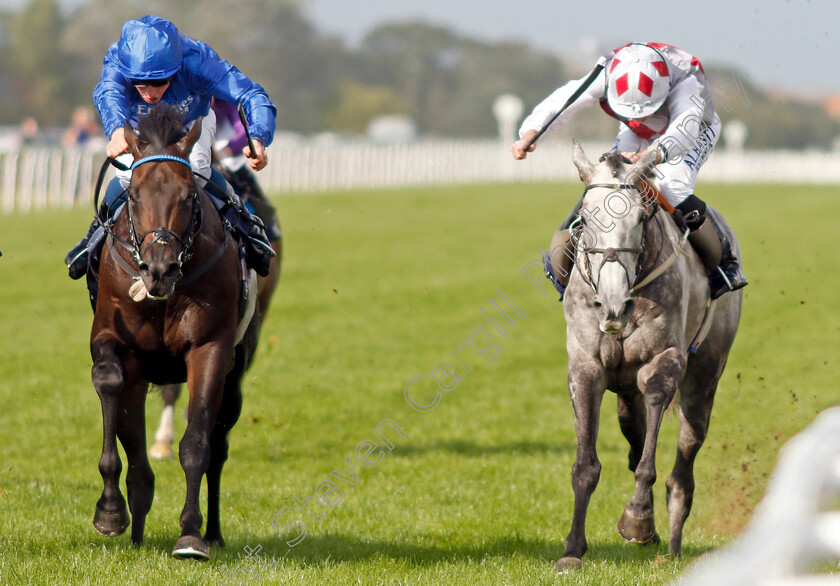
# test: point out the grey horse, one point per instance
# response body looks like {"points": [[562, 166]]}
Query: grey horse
{"points": [[634, 305]]}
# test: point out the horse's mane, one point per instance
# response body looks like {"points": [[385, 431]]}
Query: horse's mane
{"points": [[615, 161], [162, 126]]}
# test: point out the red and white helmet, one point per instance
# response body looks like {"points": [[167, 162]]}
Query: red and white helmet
{"points": [[638, 81]]}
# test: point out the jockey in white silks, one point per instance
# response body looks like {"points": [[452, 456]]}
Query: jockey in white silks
{"points": [[151, 64], [660, 96]]}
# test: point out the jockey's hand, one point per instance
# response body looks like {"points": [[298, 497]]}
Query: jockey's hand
{"points": [[518, 148], [118, 144], [256, 160], [636, 157]]}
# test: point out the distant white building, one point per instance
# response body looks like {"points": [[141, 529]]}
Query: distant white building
{"points": [[392, 128]]}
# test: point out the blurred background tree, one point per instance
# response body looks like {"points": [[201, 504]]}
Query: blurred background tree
{"points": [[447, 82]]}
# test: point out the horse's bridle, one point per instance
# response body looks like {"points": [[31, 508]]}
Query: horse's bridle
{"points": [[162, 234], [611, 254]]}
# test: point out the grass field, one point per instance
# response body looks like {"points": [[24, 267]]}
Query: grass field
{"points": [[377, 288]]}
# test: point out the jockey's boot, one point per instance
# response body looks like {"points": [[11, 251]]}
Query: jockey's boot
{"points": [[728, 275], [713, 248], [258, 249], [560, 257], [245, 184], [77, 259]]}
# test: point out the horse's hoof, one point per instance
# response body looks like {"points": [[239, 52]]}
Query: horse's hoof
{"points": [[641, 530], [567, 563], [110, 523], [161, 451], [191, 546]]}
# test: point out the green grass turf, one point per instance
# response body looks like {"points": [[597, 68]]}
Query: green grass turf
{"points": [[377, 288]]}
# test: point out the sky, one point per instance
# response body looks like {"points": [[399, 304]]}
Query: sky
{"points": [[786, 45], [789, 45]]}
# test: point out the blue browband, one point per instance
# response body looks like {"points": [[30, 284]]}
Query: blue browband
{"points": [[151, 158]]}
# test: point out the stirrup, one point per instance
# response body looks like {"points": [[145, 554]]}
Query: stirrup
{"points": [[721, 283]]}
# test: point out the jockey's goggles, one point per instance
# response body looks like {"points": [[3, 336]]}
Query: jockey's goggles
{"points": [[141, 83]]}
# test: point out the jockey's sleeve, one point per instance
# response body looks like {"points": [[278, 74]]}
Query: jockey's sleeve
{"points": [[223, 80], [110, 96], [544, 111], [690, 107]]}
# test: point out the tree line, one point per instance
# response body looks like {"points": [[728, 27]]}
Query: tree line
{"points": [[446, 82]]}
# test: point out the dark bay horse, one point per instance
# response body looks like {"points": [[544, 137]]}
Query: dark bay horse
{"points": [[167, 311], [251, 193], [634, 305]]}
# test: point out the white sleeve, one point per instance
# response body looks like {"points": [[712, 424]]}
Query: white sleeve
{"points": [[544, 111], [687, 110], [200, 157]]}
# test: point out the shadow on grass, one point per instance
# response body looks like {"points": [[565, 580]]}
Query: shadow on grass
{"points": [[316, 550], [342, 548], [468, 448]]}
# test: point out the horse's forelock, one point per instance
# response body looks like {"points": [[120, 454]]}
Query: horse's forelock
{"points": [[615, 161], [162, 126]]}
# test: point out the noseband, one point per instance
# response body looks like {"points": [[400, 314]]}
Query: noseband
{"points": [[611, 254]]}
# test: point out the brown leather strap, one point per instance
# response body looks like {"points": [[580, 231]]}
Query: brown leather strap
{"points": [[651, 194]]}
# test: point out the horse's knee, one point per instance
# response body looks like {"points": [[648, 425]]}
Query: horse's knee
{"points": [[107, 376]]}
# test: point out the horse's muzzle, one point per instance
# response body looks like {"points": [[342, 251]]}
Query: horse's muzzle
{"points": [[614, 320], [160, 278]]}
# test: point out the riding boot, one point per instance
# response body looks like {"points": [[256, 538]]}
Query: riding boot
{"points": [[245, 184], [77, 259], [728, 275], [559, 259], [258, 249], [712, 246]]}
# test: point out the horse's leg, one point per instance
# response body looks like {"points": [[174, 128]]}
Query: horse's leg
{"points": [[586, 388], [111, 516], [139, 480], [697, 392], [165, 434], [631, 419], [206, 376], [227, 418], [658, 381]]}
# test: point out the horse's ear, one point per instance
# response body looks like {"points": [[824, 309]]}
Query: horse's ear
{"points": [[133, 139], [186, 143], [584, 167]]}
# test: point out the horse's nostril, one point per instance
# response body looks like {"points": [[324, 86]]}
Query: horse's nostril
{"points": [[172, 270], [597, 303], [143, 267]]}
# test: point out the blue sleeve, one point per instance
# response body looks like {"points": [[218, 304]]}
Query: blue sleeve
{"points": [[220, 79], [111, 94]]}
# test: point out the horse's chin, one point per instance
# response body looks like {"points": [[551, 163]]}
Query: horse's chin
{"points": [[159, 290], [612, 327]]}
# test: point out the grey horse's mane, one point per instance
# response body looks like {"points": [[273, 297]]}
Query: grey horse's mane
{"points": [[615, 161]]}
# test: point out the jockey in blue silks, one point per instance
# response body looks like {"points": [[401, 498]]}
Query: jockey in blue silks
{"points": [[153, 63]]}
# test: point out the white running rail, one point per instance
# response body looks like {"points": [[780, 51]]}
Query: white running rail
{"points": [[792, 528]]}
